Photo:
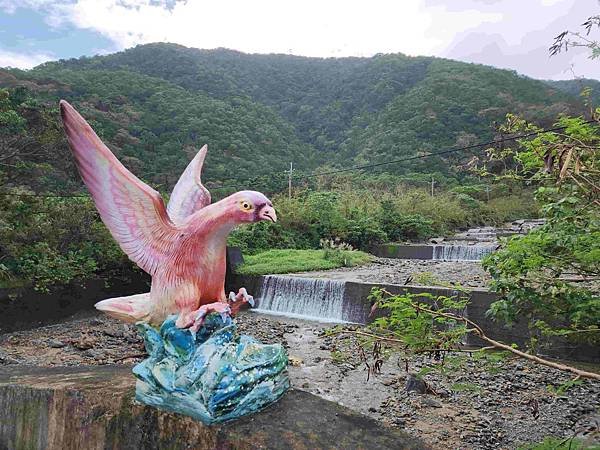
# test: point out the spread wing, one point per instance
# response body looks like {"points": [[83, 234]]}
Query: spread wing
{"points": [[134, 213], [189, 195]]}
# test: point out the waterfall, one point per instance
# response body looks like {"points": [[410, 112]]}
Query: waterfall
{"points": [[303, 298], [461, 252]]}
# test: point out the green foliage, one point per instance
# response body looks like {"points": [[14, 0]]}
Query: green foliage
{"points": [[562, 388], [361, 109], [335, 251], [435, 326], [452, 105], [262, 236], [10, 120], [47, 241], [364, 217], [409, 320], [154, 104], [288, 261], [554, 443], [578, 86], [306, 219], [154, 126], [550, 276], [400, 226], [509, 207]]}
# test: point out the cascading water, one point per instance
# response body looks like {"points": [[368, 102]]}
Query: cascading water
{"points": [[461, 252], [304, 298]]}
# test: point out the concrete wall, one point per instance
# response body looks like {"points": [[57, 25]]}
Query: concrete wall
{"points": [[26, 308], [358, 306], [403, 251], [92, 408]]}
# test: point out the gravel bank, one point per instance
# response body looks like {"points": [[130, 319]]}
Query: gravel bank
{"points": [[411, 271]]}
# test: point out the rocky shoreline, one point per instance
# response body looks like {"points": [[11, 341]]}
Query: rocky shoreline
{"points": [[464, 403]]}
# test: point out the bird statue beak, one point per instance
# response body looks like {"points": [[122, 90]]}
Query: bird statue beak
{"points": [[268, 213]]}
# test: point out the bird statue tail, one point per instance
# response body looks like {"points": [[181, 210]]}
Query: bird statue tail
{"points": [[131, 309]]}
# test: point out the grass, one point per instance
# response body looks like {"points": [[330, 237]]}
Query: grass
{"points": [[289, 260], [553, 443]]}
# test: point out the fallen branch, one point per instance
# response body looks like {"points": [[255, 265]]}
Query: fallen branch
{"points": [[537, 359], [399, 341], [478, 331]]}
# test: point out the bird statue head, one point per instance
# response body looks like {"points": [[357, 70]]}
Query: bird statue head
{"points": [[251, 206]]}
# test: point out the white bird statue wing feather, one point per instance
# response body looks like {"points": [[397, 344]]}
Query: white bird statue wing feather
{"points": [[189, 194], [134, 213]]}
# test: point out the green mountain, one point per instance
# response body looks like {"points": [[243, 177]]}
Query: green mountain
{"points": [[576, 87], [154, 103]]}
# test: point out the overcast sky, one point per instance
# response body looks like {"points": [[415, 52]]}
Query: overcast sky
{"points": [[513, 34]]}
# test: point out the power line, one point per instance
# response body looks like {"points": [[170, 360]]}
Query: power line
{"points": [[443, 152], [412, 158], [348, 169]]}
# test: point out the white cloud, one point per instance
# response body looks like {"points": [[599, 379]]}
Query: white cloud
{"points": [[23, 60], [504, 33], [520, 43], [309, 27]]}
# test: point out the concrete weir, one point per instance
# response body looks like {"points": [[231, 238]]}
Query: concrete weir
{"points": [[438, 252], [72, 408], [295, 298]]}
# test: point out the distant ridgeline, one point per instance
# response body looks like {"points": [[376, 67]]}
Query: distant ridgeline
{"points": [[258, 113]]}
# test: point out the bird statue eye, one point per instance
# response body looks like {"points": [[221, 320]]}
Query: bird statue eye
{"points": [[246, 206]]}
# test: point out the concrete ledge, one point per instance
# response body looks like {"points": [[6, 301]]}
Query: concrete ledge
{"points": [[25, 308], [403, 251], [93, 408], [357, 306]]}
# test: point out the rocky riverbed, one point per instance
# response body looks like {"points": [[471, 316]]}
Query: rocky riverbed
{"points": [[411, 271], [463, 403]]}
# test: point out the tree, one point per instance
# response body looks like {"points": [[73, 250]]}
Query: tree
{"points": [[551, 275], [567, 39]]}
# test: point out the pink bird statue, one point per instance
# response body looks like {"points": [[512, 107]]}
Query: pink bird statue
{"points": [[182, 246]]}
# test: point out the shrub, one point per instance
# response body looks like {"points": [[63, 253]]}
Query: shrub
{"points": [[47, 241], [550, 276], [400, 226]]}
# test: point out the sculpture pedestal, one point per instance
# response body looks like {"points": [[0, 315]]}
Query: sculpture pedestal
{"points": [[212, 375], [70, 408]]}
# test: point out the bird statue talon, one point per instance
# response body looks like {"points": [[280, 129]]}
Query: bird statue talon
{"points": [[200, 314], [237, 301]]}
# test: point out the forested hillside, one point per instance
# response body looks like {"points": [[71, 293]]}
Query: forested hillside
{"points": [[156, 104], [258, 111], [153, 125], [365, 108], [575, 87]]}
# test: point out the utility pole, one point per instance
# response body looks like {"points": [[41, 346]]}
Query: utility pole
{"points": [[290, 180], [432, 183]]}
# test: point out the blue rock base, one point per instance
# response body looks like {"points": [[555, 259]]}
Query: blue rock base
{"points": [[212, 375]]}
